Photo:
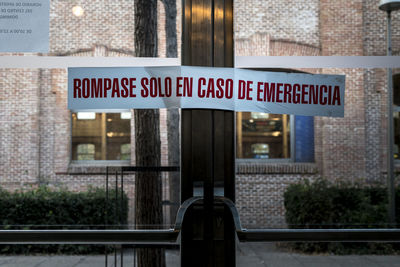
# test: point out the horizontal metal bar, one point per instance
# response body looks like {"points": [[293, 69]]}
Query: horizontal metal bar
{"points": [[148, 245], [364, 62], [70, 61], [168, 237], [150, 169], [240, 62], [319, 235], [88, 236]]}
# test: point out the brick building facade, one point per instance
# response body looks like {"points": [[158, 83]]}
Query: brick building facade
{"points": [[35, 137]]}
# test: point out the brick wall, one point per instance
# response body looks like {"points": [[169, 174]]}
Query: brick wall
{"points": [[19, 122], [296, 21], [260, 203], [109, 23]]}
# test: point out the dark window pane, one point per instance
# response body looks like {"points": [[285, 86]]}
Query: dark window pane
{"points": [[396, 117], [304, 126], [396, 89]]}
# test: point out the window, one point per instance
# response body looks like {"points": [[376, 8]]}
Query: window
{"points": [[263, 135], [274, 136], [101, 136]]}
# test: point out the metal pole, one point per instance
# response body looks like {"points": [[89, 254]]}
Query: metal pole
{"points": [[121, 209], [116, 214], [391, 190], [106, 218], [121, 197]]}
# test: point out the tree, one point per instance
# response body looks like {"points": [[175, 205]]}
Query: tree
{"points": [[148, 205], [172, 114]]}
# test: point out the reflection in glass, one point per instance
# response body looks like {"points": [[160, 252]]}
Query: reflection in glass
{"points": [[77, 11]]}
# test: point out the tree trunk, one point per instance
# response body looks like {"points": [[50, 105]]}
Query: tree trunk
{"points": [[173, 160], [148, 206], [170, 27], [172, 114]]}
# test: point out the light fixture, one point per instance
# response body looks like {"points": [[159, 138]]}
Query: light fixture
{"points": [[86, 115], [126, 115], [259, 115], [389, 5], [77, 11]]}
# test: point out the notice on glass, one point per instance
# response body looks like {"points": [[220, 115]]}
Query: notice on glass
{"points": [[100, 89], [24, 26]]}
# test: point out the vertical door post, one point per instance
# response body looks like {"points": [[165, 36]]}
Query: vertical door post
{"points": [[208, 152]]}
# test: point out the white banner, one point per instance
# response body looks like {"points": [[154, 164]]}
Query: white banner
{"points": [[118, 88], [24, 25]]}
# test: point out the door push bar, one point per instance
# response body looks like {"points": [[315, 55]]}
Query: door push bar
{"points": [[170, 236]]}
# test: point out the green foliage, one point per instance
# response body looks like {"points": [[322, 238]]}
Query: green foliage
{"points": [[325, 205], [43, 208]]}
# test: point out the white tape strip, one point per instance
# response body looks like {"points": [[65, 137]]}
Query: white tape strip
{"points": [[317, 62], [67, 62], [240, 62]]}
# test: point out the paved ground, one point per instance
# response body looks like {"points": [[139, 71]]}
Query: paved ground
{"points": [[248, 255], [263, 254]]}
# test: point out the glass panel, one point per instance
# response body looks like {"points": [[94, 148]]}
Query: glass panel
{"points": [[345, 186], [263, 135], [42, 188], [36, 126]]}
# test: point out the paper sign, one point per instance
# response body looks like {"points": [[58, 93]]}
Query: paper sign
{"points": [[91, 89], [24, 25]]}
